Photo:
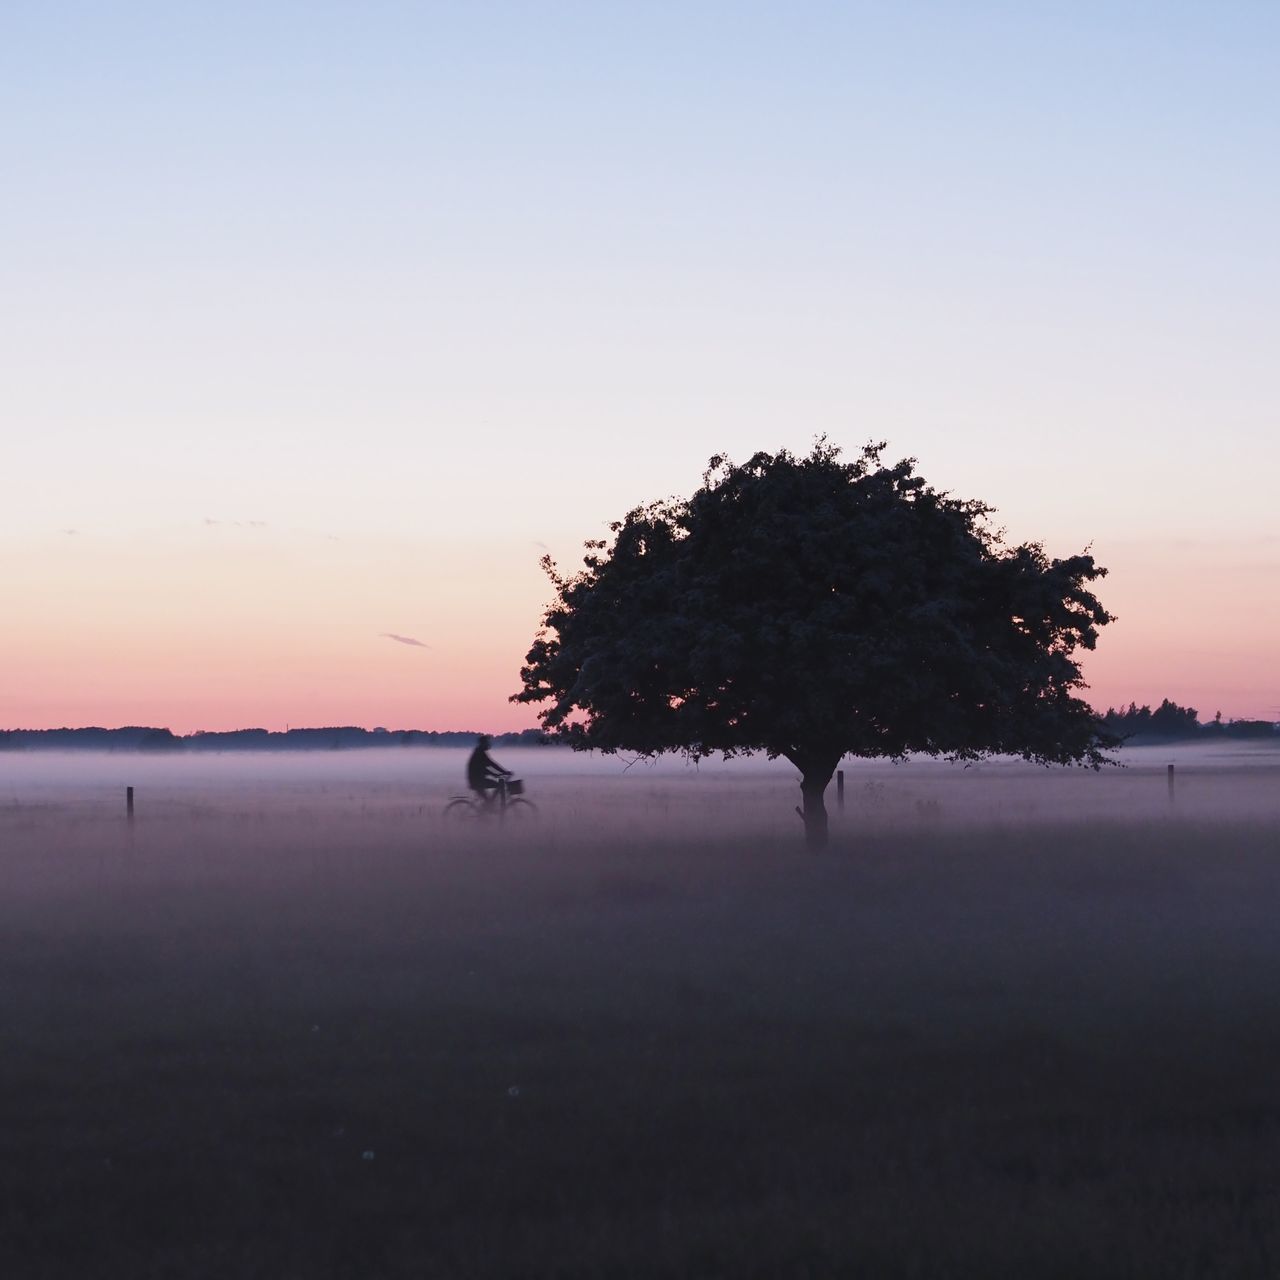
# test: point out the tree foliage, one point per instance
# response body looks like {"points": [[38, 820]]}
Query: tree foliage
{"points": [[812, 607], [1168, 720]]}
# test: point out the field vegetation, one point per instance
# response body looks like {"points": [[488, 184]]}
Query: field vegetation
{"points": [[289, 1024]]}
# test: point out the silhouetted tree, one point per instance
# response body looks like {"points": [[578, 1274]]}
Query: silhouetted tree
{"points": [[1173, 721], [813, 608], [1167, 721]]}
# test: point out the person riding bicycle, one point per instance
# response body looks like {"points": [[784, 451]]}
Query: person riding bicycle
{"points": [[484, 773]]}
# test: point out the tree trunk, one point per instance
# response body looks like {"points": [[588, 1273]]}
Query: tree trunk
{"points": [[813, 785], [814, 812]]}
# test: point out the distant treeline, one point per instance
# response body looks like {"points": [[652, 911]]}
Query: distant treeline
{"points": [[141, 738], [1167, 722], [1170, 722]]}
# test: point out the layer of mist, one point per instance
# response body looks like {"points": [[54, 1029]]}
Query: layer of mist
{"points": [[599, 795]]}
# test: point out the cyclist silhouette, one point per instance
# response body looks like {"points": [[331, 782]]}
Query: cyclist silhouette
{"points": [[484, 772]]}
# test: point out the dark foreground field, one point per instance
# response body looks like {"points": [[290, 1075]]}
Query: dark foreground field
{"points": [[310, 1033]]}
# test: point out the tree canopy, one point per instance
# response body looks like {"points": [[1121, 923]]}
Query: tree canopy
{"points": [[1168, 720], [815, 607]]}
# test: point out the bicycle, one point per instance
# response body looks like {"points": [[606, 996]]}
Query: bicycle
{"points": [[508, 801]]}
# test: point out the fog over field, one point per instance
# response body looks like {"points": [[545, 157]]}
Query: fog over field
{"points": [[292, 1022], [624, 795]]}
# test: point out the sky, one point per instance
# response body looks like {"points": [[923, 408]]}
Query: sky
{"points": [[322, 321]]}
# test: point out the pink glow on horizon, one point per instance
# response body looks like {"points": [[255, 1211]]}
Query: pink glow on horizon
{"points": [[1196, 622], [265, 632]]}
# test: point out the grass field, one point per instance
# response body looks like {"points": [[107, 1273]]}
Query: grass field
{"points": [[291, 1025]]}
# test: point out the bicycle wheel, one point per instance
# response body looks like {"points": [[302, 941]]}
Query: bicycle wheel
{"points": [[521, 811], [460, 810]]}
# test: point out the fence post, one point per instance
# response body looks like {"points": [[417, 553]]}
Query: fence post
{"points": [[128, 803], [1171, 784], [840, 790]]}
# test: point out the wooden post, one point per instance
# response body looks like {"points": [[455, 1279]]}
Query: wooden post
{"points": [[1171, 784], [128, 803], [840, 790]]}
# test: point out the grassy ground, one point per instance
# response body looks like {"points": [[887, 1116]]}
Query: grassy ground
{"points": [[271, 1045]]}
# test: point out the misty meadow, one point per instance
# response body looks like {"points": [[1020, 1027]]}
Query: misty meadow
{"points": [[290, 1022]]}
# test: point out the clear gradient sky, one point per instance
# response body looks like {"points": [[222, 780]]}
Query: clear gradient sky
{"points": [[321, 318]]}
